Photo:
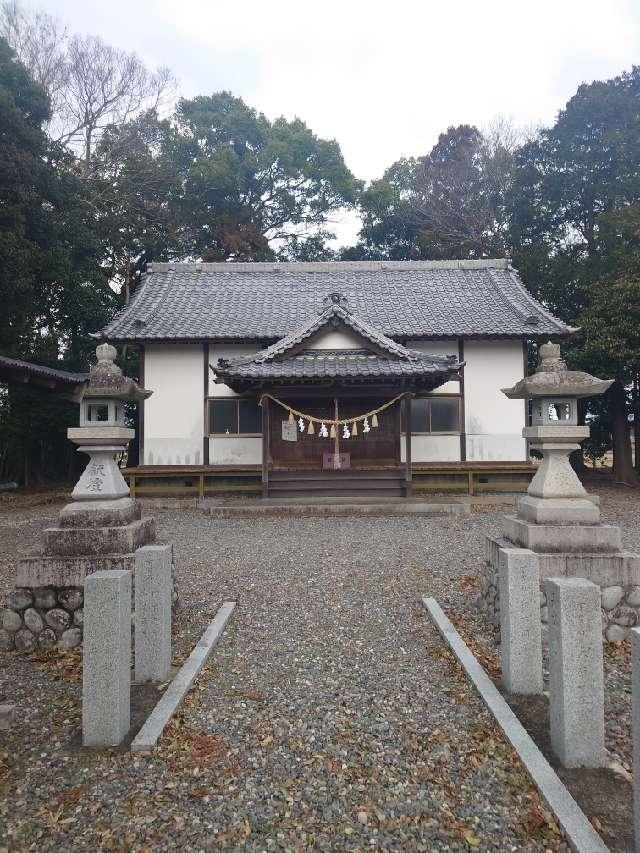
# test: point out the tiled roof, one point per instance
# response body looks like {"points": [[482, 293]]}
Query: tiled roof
{"points": [[16, 366], [335, 313], [337, 364], [264, 301]]}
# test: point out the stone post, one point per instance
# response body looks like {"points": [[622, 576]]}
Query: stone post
{"points": [[635, 703], [106, 662], [520, 631], [576, 680], [153, 589]]}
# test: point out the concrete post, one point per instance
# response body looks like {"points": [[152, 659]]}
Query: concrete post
{"points": [[153, 588], [107, 658], [635, 703], [520, 631], [576, 680]]}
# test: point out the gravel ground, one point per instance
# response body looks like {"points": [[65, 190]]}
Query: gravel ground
{"points": [[331, 715]]}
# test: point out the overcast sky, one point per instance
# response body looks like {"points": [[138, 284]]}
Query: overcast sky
{"points": [[383, 78]]}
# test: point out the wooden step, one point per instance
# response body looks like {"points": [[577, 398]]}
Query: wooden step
{"points": [[363, 483], [345, 474], [337, 493], [322, 486]]}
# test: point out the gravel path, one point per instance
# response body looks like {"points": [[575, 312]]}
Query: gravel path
{"points": [[330, 716]]}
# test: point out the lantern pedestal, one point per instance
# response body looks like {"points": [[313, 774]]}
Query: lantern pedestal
{"points": [[556, 495], [101, 479], [558, 510], [557, 523]]}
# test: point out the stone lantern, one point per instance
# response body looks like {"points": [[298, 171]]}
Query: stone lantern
{"points": [[102, 432], [555, 494], [557, 526], [100, 529]]}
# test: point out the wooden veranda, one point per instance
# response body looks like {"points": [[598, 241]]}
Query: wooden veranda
{"points": [[200, 481]]}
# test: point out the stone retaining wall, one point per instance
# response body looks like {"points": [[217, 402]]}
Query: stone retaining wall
{"points": [[43, 617], [620, 604], [48, 617]]}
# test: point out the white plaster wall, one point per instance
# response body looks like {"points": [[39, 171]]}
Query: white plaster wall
{"points": [[438, 348], [173, 415], [337, 339], [493, 423], [431, 448], [235, 450]]}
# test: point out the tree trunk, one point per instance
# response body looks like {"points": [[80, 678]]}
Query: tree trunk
{"points": [[636, 422], [623, 470]]}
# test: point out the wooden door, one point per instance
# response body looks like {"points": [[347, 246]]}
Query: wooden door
{"points": [[378, 448]]}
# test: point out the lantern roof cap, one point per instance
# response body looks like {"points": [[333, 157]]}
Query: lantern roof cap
{"points": [[553, 379], [107, 381]]}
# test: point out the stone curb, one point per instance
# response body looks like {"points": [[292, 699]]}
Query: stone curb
{"points": [[337, 509], [148, 735], [581, 836]]}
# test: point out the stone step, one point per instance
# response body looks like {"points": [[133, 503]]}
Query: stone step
{"points": [[562, 538], [89, 541], [115, 513], [50, 570]]}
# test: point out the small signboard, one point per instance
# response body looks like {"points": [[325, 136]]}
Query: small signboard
{"points": [[289, 431], [336, 461]]}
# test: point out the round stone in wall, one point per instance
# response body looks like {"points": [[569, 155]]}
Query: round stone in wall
{"points": [[44, 597], [78, 617], [25, 640], [47, 638], [58, 619], [70, 597], [612, 596], [33, 620], [11, 621], [71, 638], [625, 616], [615, 633], [20, 599], [633, 597]]}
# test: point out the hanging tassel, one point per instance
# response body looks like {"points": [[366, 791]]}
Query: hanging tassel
{"points": [[332, 433], [354, 428], [311, 429], [374, 420], [290, 416]]}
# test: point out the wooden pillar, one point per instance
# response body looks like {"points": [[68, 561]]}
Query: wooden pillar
{"points": [[462, 414], [141, 409], [336, 443], [407, 433], [265, 447], [205, 424]]}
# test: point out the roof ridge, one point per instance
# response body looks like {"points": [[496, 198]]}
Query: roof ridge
{"points": [[314, 324], [326, 266]]}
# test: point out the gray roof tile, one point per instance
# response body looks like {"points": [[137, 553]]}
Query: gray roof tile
{"points": [[343, 364], [262, 301]]}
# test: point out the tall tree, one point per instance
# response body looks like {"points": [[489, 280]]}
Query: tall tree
{"points": [[450, 203], [135, 190], [574, 188], [248, 181], [91, 85], [52, 289]]}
